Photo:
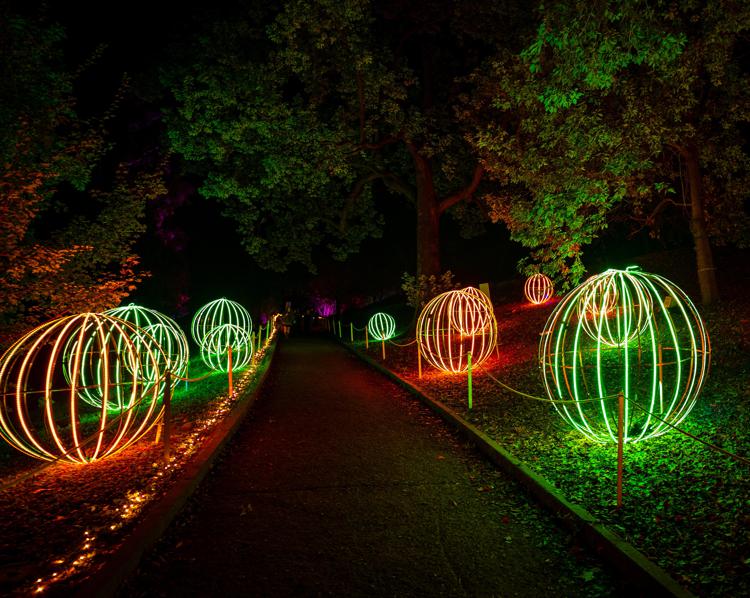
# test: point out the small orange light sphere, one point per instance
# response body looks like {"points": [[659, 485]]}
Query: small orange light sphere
{"points": [[42, 409], [454, 324], [538, 288]]}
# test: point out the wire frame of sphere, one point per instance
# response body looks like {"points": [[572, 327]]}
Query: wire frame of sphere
{"points": [[215, 348], [538, 288], [381, 326], [152, 326], [453, 324], [42, 413], [217, 313], [615, 308], [660, 367]]}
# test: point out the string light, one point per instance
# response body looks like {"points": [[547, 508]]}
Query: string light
{"points": [[381, 326], [42, 413], [454, 323], [538, 288], [624, 331]]}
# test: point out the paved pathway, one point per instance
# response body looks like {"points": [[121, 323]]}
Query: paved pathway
{"points": [[340, 483]]}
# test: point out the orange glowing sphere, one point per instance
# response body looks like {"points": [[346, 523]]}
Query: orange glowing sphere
{"points": [[454, 324], [43, 412], [538, 288]]}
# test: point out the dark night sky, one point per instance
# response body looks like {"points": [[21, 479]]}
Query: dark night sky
{"points": [[212, 262]]}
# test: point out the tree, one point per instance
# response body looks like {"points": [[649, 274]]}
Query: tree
{"points": [[608, 96], [64, 247], [294, 124]]}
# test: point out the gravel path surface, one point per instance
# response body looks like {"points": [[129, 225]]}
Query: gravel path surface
{"points": [[339, 483]]}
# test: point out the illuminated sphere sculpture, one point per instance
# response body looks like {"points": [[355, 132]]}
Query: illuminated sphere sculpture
{"points": [[381, 326], [215, 347], [453, 324], [42, 412], [217, 313], [615, 307], [657, 357], [163, 329], [538, 288]]}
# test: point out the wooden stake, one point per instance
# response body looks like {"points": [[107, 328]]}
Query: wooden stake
{"points": [[166, 417], [419, 361], [620, 443], [468, 361], [382, 342], [367, 338], [351, 331], [229, 368]]}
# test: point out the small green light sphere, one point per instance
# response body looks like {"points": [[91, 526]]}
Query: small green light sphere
{"points": [[217, 313], [215, 348], [629, 332], [381, 326]]}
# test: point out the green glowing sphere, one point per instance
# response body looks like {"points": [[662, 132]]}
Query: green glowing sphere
{"points": [[215, 347], [629, 332], [42, 408], [381, 326], [163, 329], [217, 313]]}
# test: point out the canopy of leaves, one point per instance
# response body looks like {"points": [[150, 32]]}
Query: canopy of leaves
{"points": [[63, 249], [293, 118], [591, 120]]}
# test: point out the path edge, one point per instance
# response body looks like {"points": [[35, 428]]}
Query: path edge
{"points": [[636, 568], [109, 578]]}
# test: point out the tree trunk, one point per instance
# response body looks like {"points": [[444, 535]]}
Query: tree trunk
{"points": [[428, 217], [703, 252]]}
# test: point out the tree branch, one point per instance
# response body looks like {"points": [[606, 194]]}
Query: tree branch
{"points": [[465, 193]]}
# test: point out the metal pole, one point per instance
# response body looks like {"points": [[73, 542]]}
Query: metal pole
{"points": [[382, 341], [351, 331], [229, 368], [468, 361], [166, 417], [620, 443], [340, 329], [367, 338]]}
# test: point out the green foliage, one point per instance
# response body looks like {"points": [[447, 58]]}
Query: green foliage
{"points": [[64, 247], [420, 289], [297, 119], [595, 119]]}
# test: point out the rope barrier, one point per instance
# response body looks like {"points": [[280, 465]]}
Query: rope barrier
{"points": [[714, 447], [542, 399], [725, 452], [400, 345]]}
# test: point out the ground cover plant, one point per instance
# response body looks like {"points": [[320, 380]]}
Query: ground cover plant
{"points": [[62, 521], [686, 506]]}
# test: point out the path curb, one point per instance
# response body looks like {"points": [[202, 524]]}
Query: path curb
{"points": [[635, 567], [123, 561]]}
